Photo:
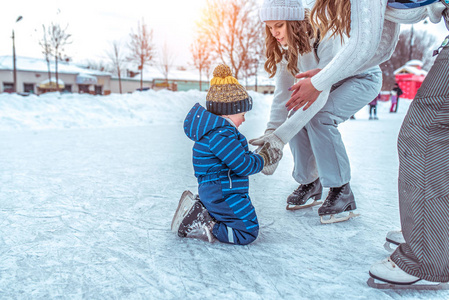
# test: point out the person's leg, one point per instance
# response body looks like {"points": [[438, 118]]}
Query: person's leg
{"points": [[397, 104], [234, 213], [392, 103], [349, 96], [305, 170], [423, 147]]}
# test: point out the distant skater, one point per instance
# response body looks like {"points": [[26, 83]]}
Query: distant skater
{"points": [[373, 108]]}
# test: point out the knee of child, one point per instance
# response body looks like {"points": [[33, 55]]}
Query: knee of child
{"points": [[247, 237]]}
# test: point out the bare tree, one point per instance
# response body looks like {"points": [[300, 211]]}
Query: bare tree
{"points": [[142, 48], [46, 50], [99, 65], [419, 45], [232, 28], [201, 57], [251, 63], [166, 61], [59, 38], [117, 59]]}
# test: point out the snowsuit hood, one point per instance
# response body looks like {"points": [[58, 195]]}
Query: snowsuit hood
{"points": [[199, 122]]}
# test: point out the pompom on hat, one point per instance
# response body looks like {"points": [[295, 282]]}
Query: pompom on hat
{"points": [[282, 10], [226, 96]]}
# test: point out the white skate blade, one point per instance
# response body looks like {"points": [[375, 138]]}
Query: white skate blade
{"points": [[390, 247], [333, 219], [298, 207], [414, 286], [393, 240], [185, 204]]}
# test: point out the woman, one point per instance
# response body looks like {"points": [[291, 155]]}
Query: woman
{"points": [[423, 142], [319, 154]]}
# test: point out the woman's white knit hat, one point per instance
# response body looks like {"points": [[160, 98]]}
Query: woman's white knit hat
{"points": [[282, 10]]}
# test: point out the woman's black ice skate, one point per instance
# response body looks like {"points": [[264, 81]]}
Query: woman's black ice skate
{"points": [[300, 196], [339, 200]]}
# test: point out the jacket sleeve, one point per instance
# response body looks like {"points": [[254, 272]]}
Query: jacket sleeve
{"points": [[367, 29], [283, 80], [225, 145]]}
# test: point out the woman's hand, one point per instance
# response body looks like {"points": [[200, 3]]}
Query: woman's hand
{"points": [[304, 93]]}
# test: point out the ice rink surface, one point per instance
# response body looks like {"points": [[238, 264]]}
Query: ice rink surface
{"points": [[88, 188]]}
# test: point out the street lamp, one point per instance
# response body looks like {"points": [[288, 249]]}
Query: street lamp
{"points": [[14, 58]]}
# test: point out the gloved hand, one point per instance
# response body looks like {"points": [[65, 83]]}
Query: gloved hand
{"points": [[270, 155], [272, 149], [260, 140]]}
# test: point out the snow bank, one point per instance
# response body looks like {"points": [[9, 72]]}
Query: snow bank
{"points": [[59, 111]]}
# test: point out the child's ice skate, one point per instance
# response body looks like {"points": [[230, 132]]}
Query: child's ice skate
{"points": [[185, 204], [192, 219]]}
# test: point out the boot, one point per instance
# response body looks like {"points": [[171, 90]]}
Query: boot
{"points": [[387, 271], [197, 223], [338, 200], [306, 191]]}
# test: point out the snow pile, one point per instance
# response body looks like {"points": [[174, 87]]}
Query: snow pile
{"points": [[58, 111]]}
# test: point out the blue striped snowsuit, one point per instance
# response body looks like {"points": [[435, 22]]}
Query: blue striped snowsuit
{"points": [[222, 163]]}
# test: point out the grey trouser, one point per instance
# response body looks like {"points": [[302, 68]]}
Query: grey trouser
{"points": [[423, 147], [318, 148]]}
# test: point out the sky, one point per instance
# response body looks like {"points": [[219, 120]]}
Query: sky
{"points": [[94, 25]]}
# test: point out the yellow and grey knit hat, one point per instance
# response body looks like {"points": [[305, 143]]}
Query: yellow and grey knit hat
{"points": [[226, 96]]}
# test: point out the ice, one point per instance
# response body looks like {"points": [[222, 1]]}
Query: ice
{"points": [[89, 186]]}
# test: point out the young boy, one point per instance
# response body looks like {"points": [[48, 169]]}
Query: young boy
{"points": [[222, 163]]}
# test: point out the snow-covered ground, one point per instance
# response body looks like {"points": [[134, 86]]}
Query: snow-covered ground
{"points": [[89, 185]]}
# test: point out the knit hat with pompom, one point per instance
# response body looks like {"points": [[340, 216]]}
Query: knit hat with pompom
{"points": [[226, 96]]}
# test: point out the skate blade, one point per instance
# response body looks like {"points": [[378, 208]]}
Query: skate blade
{"points": [[298, 207], [390, 247], [334, 219], [185, 203], [414, 286]]}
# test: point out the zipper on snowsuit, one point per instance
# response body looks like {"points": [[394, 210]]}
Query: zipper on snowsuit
{"points": [[230, 181]]}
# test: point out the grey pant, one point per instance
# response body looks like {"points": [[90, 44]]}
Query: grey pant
{"points": [[423, 147], [318, 148]]}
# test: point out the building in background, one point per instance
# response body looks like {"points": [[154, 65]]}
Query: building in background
{"points": [[32, 78], [410, 77]]}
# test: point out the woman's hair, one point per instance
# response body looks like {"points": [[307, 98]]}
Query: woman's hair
{"points": [[299, 34], [331, 16]]}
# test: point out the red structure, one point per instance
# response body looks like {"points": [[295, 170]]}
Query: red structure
{"points": [[410, 77]]}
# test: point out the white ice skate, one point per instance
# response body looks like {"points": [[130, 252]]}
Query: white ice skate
{"points": [[393, 239], [336, 218], [387, 275], [185, 204]]}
